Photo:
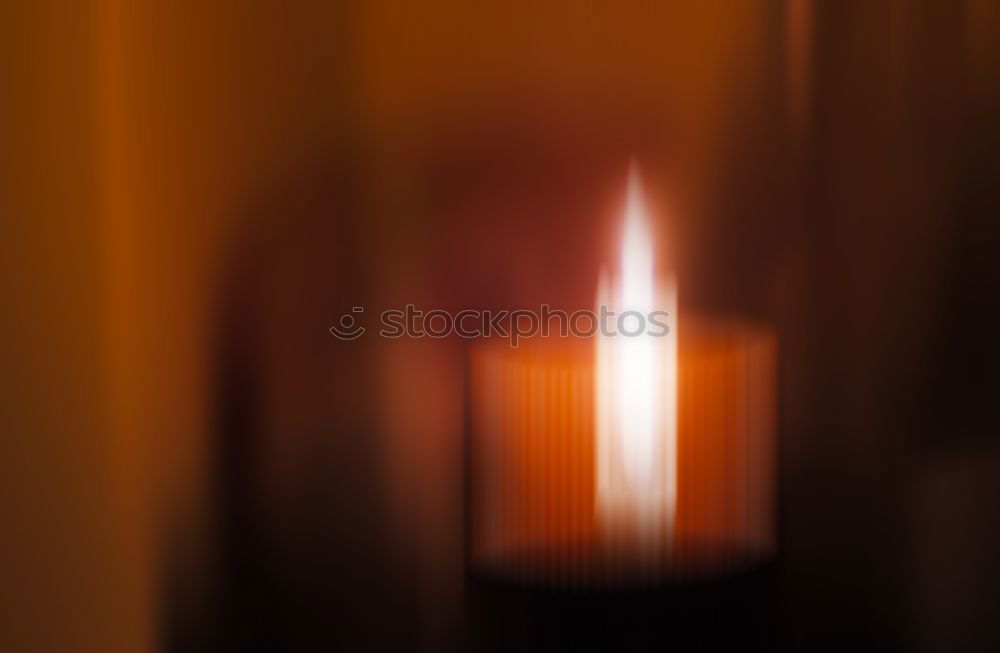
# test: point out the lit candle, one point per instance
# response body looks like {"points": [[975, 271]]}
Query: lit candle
{"points": [[647, 452]]}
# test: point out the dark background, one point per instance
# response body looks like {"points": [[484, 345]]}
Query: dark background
{"points": [[193, 192]]}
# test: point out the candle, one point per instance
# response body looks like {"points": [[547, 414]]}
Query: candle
{"points": [[641, 454]]}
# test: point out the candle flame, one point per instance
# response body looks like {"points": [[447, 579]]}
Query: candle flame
{"points": [[636, 388], [635, 383]]}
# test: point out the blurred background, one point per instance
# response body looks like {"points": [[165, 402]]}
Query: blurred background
{"points": [[193, 192]]}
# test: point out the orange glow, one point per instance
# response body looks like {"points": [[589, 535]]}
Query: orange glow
{"points": [[533, 449]]}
